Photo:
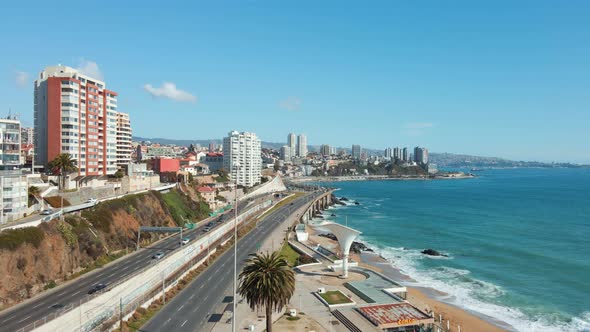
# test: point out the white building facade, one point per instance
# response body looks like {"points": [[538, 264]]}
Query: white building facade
{"points": [[10, 141], [242, 157], [124, 138], [301, 146], [13, 195]]}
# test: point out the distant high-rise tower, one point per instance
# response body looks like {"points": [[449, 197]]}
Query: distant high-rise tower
{"points": [[292, 143], [421, 155], [388, 153], [212, 146], [75, 114], [301, 146], [356, 152], [242, 158], [325, 150], [405, 156], [396, 153]]}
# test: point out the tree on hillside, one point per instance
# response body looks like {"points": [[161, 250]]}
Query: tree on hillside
{"points": [[62, 165], [33, 193], [267, 281]]}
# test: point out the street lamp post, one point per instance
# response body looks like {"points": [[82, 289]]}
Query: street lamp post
{"points": [[235, 295]]}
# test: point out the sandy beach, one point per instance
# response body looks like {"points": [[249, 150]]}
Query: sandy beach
{"points": [[422, 298]]}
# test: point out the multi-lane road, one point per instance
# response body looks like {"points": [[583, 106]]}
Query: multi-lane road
{"points": [[192, 308], [76, 291]]}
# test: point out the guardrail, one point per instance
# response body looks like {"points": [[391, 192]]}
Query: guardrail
{"points": [[94, 311]]}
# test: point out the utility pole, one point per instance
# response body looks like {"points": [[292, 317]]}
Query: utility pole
{"points": [[235, 295], [121, 313]]}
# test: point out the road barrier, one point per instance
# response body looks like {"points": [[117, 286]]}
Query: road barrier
{"points": [[128, 294]]}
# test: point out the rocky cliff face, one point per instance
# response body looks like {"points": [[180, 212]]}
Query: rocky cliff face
{"points": [[81, 242]]}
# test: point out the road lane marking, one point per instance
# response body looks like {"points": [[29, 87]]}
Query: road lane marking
{"points": [[38, 305], [20, 321], [184, 323], [167, 321], [180, 308], [9, 318], [112, 274], [73, 294]]}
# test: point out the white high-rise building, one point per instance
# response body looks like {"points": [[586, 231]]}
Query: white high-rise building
{"points": [[301, 146], [124, 134], [10, 141], [242, 157], [388, 153], [292, 143], [26, 135], [13, 195], [75, 114], [356, 152]]}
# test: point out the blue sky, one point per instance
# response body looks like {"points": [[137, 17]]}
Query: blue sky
{"points": [[497, 78]]}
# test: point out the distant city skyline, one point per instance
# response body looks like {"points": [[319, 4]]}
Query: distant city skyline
{"points": [[498, 79]]}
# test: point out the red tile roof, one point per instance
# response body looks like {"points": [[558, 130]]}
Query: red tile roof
{"points": [[205, 190]]}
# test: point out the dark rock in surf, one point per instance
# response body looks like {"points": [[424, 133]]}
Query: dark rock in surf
{"points": [[432, 252]]}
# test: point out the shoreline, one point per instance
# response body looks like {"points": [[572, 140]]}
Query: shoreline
{"points": [[375, 178], [423, 297]]}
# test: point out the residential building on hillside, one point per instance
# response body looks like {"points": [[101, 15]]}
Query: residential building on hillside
{"points": [[301, 146], [74, 113], [286, 153], [163, 165], [13, 195], [214, 160], [10, 143], [124, 134], [242, 157], [27, 135], [405, 156]]}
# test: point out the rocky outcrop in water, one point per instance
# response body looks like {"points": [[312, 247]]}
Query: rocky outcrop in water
{"points": [[432, 252]]}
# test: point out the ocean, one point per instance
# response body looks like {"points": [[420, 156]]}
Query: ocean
{"points": [[518, 240]]}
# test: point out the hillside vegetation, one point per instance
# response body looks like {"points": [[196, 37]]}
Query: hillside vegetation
{"points": [[36, 258]]}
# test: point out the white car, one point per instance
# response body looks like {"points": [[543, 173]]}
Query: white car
{"points": [[184, 241], [47, 212], [92, 200]]}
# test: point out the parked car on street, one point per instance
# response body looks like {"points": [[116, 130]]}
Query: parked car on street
{"points": [[185, 240], [158, 255]]}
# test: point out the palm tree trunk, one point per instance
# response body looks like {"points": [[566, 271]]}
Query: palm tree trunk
{"points": [[268, 318]]}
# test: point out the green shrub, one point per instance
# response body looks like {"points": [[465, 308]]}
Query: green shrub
{"points": [[51, 284], [14, 238]]}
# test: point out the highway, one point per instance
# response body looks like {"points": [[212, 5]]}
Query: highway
{"points": [[76, 291], [192, 308]]}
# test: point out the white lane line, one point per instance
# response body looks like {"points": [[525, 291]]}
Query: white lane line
{"points": [[62, 293], [125, 268], [190, 298], [180, 308], [9, 318], [24, 319], [167, 321], [112, 274], [184, 323], [40, 304], [75, 293]]}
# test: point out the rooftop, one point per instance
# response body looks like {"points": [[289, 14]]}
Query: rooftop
{"points": [[394, 315]]}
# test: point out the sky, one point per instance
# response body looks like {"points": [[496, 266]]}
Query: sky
{"points": [[492, 78]]}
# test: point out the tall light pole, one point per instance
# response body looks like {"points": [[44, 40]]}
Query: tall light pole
{"points": [[236, 166]]}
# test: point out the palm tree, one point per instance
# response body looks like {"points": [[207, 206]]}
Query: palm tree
{"points": [[267, 281], [63, 164]]}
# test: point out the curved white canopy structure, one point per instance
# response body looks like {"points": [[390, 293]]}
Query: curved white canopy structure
{"points": [[345, 236]]}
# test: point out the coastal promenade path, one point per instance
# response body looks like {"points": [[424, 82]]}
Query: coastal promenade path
{"points": [[50, 304]]}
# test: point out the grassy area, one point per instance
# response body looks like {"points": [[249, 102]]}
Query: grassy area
{"points": [[284, 202], [335, 297], [290, 255], [182, 208], [13, 238]]}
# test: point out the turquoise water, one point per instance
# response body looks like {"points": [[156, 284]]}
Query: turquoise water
{"points": [[518, 240]]}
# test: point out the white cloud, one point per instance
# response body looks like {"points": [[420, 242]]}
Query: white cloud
{"points": [[169, 90], [418, 125], [22, 79], [90, 68], [291, 103]]}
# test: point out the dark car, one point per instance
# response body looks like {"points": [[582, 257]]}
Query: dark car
{"points": [[97, 288]]}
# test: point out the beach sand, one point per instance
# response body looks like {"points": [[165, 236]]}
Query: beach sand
{"points": [[422, 298]]}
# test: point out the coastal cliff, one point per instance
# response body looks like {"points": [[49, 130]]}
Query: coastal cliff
{"points": [[37, 258]]}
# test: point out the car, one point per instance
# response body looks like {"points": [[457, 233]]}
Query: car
{"points": [[210, 224], [206, 229], [97, 288], [184, 241], [158, 255], [92, 200], [47, 212]]}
